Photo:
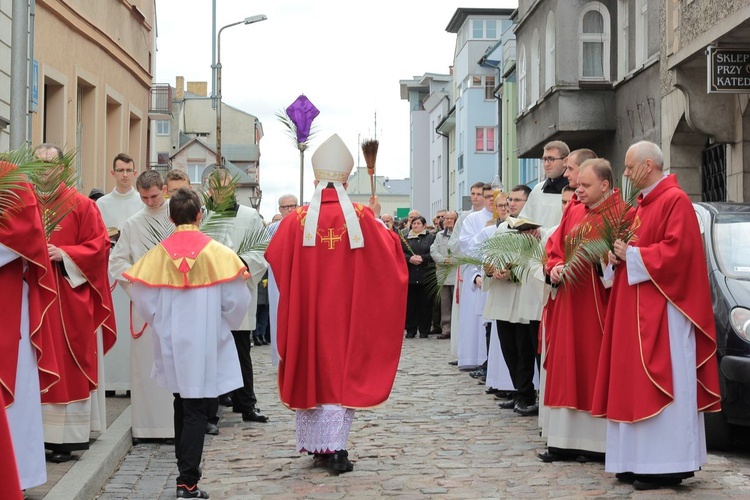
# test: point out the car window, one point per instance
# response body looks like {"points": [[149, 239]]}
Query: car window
{"points": [[732, 244]]}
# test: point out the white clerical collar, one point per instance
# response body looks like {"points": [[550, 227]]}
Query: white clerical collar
{"points": [[155, 211], [647, 190], [115, 193]]}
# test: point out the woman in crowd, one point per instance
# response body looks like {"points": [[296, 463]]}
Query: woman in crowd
{"points": [[421, 273]]}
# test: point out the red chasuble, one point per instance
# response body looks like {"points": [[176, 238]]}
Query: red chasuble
{"points": [[23, 233], [11, 481], [575, 316], [634, 378], [341, 311], [82, 310]]}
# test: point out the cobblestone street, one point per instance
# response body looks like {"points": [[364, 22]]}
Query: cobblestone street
{"points": [[439, 435]]}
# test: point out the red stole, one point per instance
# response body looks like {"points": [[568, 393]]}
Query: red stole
{"points": [[341, 311], [82, 310], [634, 379], [23, 233]]}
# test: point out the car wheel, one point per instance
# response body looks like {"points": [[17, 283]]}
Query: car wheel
{"points": [[718, 432]]}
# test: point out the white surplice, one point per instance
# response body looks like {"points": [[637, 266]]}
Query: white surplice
{"points": [[323, 429], [194, 353], [151, 405], [25, 414], [674, 440], [472, 342], [116, 208]]}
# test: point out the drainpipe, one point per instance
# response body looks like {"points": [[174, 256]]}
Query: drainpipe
{"points": [[447, 162], [18, 73], [32, 20]]}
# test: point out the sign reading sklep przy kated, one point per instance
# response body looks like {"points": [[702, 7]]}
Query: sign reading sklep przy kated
{"points": [[728, 70]]}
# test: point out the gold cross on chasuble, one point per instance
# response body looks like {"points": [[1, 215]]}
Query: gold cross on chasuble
{"points": [[331, 239]]}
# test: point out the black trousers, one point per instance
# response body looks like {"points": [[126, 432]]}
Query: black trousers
{"points": [[190, 417], [534, 330], [243, 399], [418, 310], [518, 352]]}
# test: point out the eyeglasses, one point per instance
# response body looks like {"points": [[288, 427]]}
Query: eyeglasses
{"points": [[288, 207], [124, 170], [516, 200], [550, 159]]}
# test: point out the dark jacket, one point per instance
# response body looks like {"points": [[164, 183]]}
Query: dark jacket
{"points": [[425, 271]]}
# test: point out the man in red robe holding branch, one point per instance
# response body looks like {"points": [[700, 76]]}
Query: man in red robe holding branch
{"points": [[657, 367], [337, 349], [575, 322], [79, 251], [29, 366]]}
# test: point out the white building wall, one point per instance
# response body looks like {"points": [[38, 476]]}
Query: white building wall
{"points": [[420, 164]]}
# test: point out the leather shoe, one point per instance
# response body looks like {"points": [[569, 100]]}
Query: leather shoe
{"points": [[443, 336], [655, 484], [507, 405], [526, 410], [340, 462], [225, 400], [254, 416], [453, 363], [212, 429], [548, 457], [59, 457], [625, 477]]}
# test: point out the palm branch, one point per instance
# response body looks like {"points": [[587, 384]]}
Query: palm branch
{"points": [[577, 259], [519, 253], [158, 230], [53, 181], [291, 129], [12, 180]]}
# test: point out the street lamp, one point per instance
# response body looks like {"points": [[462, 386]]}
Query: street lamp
{"points": [[255, 198], [247, 20]]}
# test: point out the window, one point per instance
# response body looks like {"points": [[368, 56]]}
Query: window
{"points": [[162, 127], [432, 170], [641, 32], [521, 78], [550, 42], [483, 29], [485, 139], [194, 171], [623, 38], [439, 166], [162, 158], [489, 88], [535, 66], [594, 47]]}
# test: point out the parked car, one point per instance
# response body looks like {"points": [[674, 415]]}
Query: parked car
{"points": [[726, 237]]}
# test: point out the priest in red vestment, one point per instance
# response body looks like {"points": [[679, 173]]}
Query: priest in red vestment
{"points": [[29, 365], [79, 251], [657, 367], [575, 323], [337, 269]]}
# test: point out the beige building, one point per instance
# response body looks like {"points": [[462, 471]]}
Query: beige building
{"points": [[705, 136], [186, 139], [393, 194], [95, 73]]}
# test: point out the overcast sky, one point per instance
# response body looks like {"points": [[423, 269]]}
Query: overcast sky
{"points": [[346, 56]]}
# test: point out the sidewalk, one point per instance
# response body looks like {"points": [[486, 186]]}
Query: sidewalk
{"points": [[84, 478]]}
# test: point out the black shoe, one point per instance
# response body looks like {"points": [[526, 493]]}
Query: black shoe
{"points": [[411, 335], [507, 404], [184, 491], [212, 429], [225, 400], [491, 391], [254, 416], [526, 410], [655, 484], [59, 457], [453, 363], [423, 335], [340, 462], [625, 477], [504, 395]]}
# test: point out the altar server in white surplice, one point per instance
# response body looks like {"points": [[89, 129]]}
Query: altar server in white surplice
{"points": [[151, 404], [116, 207]]}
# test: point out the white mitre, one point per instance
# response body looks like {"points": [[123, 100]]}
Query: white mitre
{"points": [[332, 162]]}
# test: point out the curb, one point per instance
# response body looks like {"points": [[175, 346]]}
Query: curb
{"points": [[90, 473]]}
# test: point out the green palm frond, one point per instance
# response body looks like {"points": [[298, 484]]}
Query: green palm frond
{"points": [[291, 129], [253, 241], [578, 259], [158, 230], [435, 282], [53, 184], [517, 252]]}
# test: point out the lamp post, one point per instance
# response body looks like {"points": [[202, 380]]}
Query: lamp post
{"points": [[247, 20], [256, 198]]}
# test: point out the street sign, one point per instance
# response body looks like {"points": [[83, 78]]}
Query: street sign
{"points": [[728, 70], [34, 98]]}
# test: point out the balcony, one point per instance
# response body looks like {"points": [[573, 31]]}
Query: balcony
{"points": [[576, 116], [160, 104]]}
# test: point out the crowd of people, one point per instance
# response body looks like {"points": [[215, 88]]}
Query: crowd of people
{"points": [[614, 354], [608, 349]]}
